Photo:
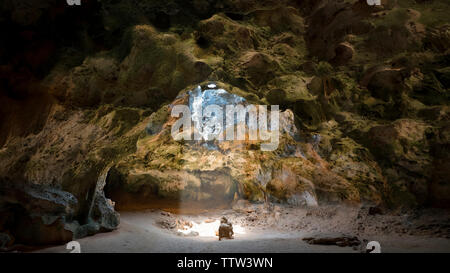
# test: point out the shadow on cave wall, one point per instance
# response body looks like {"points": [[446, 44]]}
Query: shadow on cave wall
{"points": [[184, 201], [37, 34], [42, 33]]}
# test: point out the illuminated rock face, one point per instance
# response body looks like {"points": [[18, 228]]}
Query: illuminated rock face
{"points": [[213, 173], [213, 96], [219, 115], [200, 99]]}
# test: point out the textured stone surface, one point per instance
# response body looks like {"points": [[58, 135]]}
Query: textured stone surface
{"points": [[330, 239], [363, 91]]}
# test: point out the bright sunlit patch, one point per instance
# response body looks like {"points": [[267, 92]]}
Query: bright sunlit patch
{"points": [[208, 229], [212, 85]]}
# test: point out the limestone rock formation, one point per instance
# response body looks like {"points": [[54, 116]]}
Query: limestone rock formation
{"points": [[85, 109]]}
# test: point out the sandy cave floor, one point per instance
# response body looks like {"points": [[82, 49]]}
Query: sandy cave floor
{"points": [[274, 229]]}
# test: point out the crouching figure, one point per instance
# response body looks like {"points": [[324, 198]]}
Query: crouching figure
{"points": [[225, 229]]}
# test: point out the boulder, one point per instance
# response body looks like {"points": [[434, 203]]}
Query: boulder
{"points": [[37, 215], [324, 35], [104, 214], [386, 83], [42, 215], [343, 54], [258, 66]]}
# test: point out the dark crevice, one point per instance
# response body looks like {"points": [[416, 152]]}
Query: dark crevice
{"points": [[202, 42], [235, 16]]}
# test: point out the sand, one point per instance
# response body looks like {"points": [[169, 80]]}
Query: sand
{"points": [[278, 229]]}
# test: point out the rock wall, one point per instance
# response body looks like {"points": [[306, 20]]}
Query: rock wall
{"points": [[84, 89]]}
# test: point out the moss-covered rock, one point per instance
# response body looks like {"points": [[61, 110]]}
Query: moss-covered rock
{"points": [[404, 146], [363, 92], [190, 171]]}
